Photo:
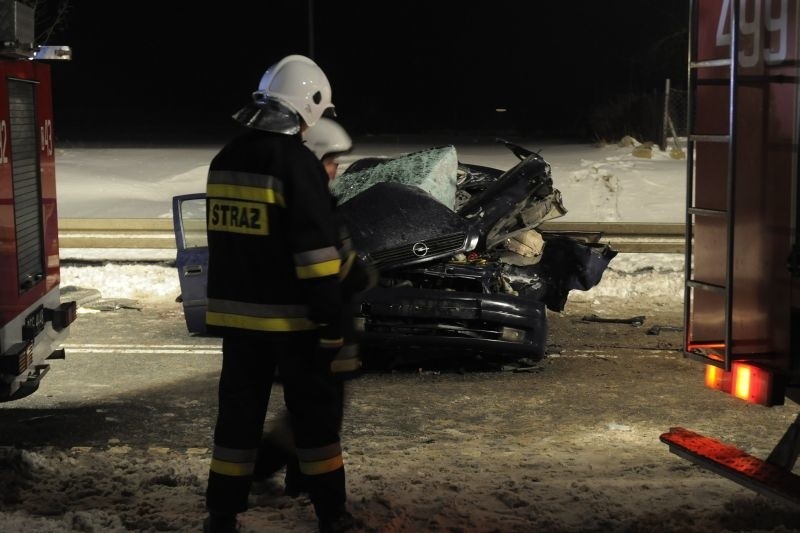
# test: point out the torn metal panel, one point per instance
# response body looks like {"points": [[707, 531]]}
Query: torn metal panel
{"points": [[513, 202]]}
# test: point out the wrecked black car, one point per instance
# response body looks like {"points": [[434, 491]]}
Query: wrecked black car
{"points": [[463, 269]]}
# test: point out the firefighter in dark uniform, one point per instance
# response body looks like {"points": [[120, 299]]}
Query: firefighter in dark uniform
{"points": [[274, 294], [329, 141]]}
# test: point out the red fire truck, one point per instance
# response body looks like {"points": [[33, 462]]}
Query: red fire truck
{"points": [[742, 296], [33, 321]]}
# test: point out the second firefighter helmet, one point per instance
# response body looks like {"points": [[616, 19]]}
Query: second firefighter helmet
{"points": [[327, 139]]}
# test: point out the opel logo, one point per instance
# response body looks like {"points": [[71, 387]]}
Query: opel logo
{"points": [[420, 249]]}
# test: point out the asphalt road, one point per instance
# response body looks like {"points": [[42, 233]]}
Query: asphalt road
{"points": [[131, 373], [119, 435], [134, 374]]}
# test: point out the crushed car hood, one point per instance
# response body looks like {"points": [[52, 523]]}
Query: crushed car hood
{"points": [[425, 205], [399, 225]]}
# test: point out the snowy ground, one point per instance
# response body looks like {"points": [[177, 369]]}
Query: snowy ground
{"points": [[598, 183]]}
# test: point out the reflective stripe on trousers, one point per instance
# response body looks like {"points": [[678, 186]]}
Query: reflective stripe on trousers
{"points": [[233, 462], [316, 461]]}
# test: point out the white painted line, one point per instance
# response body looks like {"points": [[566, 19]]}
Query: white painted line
{"points": [[180, 346], [132, 350], [581, 355], [199, 349], [601, 354]]}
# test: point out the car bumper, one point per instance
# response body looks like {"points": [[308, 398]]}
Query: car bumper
{"points": [[497, 324]]}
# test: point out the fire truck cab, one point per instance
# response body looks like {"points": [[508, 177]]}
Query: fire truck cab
{"points": [[742, 293], [33, 320]]}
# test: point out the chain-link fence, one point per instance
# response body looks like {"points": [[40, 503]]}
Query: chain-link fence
{"points": [[678, 102], [646, 116], [674, 122]]}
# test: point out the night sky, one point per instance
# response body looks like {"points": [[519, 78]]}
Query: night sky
{"points": [[155, 71]]}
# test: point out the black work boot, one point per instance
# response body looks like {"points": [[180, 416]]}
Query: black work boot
{"points": [[220, 523], [342, 521]]}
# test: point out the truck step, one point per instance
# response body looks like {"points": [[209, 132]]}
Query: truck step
{"points": [[734, 464]]}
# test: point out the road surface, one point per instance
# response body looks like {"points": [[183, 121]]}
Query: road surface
{"points": [[119, 435]]}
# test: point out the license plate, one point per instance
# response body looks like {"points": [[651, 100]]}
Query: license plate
{"points": [[34, 324]]}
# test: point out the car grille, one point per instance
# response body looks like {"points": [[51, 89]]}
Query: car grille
{"points": [[433, 248]]}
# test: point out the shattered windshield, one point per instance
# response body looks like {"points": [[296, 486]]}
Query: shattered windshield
{"points": [[433, 170]]}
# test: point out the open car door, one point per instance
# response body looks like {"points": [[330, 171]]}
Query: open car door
{"points": [[189, 220]]}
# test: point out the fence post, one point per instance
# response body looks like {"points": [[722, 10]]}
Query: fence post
{"points": [[662, 142]]}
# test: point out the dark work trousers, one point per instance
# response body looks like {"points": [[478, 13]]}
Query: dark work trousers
{"points": [[313, 401], [277, 449]]}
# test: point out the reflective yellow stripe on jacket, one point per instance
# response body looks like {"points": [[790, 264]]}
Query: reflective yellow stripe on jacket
{"points": [[317, 263], [259, 317], [245, 186], [241, 192]]}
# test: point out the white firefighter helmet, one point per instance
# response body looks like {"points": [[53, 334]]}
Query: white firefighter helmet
{"points": [[327, 138], [293, 88], [299, 83]]}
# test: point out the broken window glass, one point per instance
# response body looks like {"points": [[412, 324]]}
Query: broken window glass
{"points": [[433, 170]]}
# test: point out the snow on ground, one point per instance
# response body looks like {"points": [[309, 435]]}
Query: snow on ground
{"points": [[599, 183], [630, 276], [605, 183]]}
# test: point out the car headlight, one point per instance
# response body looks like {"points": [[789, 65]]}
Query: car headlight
{"points": [[512, 334]]}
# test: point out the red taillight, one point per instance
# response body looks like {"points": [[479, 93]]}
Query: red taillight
{"points": [[745, 381], [752, 383], [717, 378]]}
